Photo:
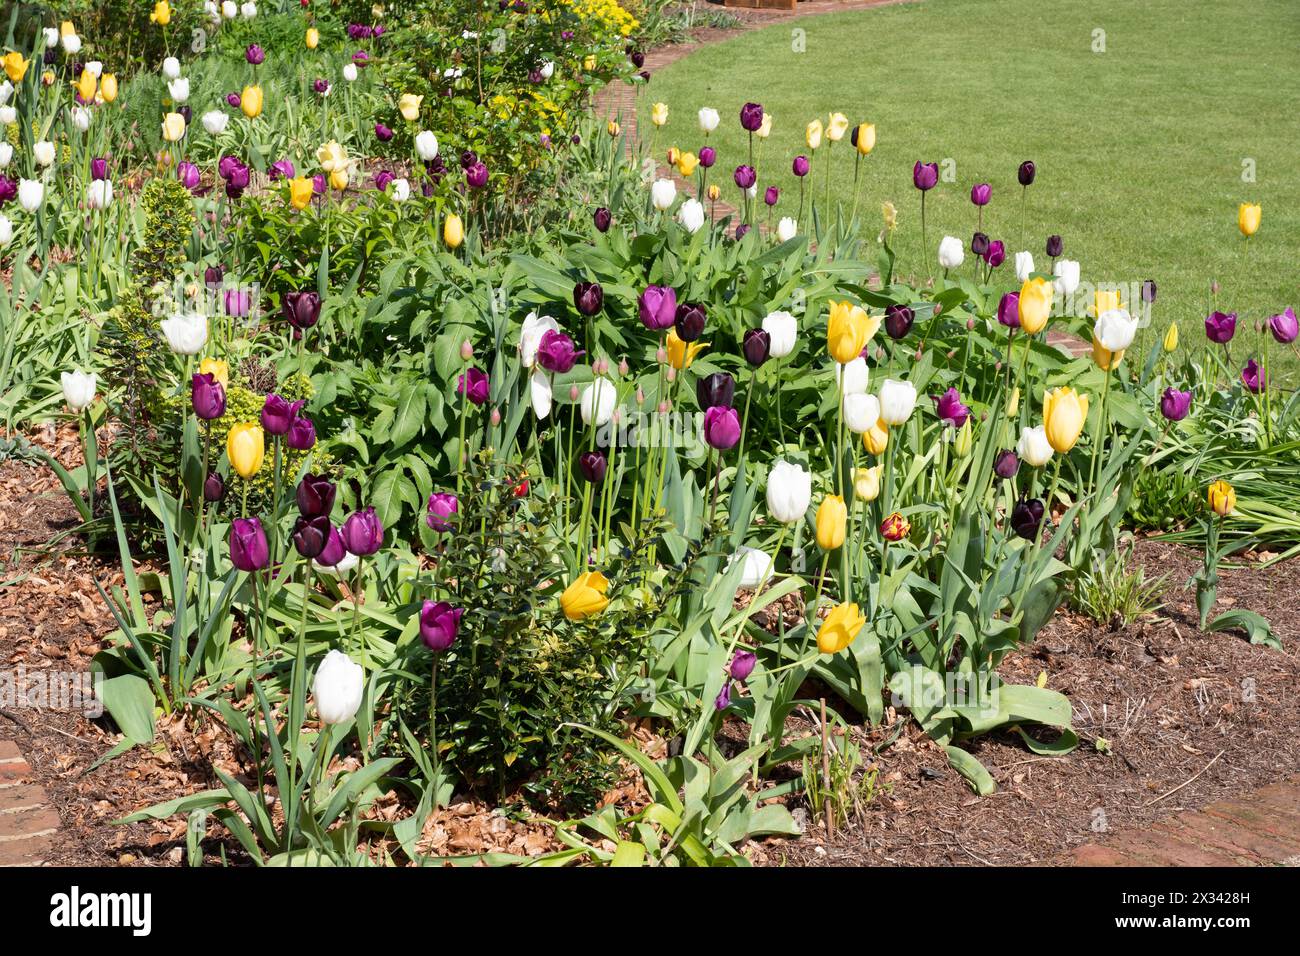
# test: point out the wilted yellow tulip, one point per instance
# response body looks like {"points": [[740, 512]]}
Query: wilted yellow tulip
{"points": [[15, 66], [453, 231], [173, 127], [1248, 214], [866, 483], [848, 330], [686, 163], [300, 192], [889, 213], [1035, 305], [408, 104], [1222, 499], [832, 518], [85, 86], [313, 38], [659, 114], [836, 127], [1064, 413], [1171, 337], [866, 138], [162, 13], [217, 368], [1104, 358], [246, 447], [108, 87], [1104, 300], [47, 78], [812, 134], [332, 157], [840, 628], [876, 438], [674, 154], [681, 354], [585, 596], [250, 101]]}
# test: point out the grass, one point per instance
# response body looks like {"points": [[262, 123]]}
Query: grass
{"points": [[1140, 148]]}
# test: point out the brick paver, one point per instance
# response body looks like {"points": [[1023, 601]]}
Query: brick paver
{"points": [[27, 821]]}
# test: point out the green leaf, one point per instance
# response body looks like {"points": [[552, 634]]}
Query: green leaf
{"points": [[1255, 625], [970, 768]]}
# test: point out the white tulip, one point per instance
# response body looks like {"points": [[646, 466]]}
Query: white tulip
{"points": [[43, 152], [186, 332], [249, 10], [8, 115], [708, 119], [757, 566], [31, 193], [72, 44], [547, 70], [6, 91], [213, 10], [852, 376], [663, 193], [78, 389], [228, 9], [171, 68], [951, 252], [598, 400], [539, 388], [95, 68], [1034, 447], [179, 89], [897, 399], [214, 121], [752, 191], [338, 686], [426, 145], [1066, 272], [401, 190], [99, 194], [786, 229], [6, 154], [6, 231], [691, 215], [1024, 265], [51, 36], [80, 118], [1115, 329], [861, 412], [530, 336], [340, 570], [783, 329], [349, 72], [789, 491]]}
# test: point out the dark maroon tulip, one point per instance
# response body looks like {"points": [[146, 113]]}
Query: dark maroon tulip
{"points": [[1006, 464], [362, 532], [657, 306], [208, 396], [800, 166], [980, 194], [950, 409], [1252, 376], [1148, 290], [248, 548], [638, 59], [979, 245], [1027, 518], [477, 176], [602, 218], [468, 158], [383, 133], [315, 495], [1220, 327], [278, 414], [474, 385], [186, 114], [771, 195], [334, 550], [997, 253], [1055, 246], [689, 321], [213, 275], [1026, 173], [1009, 310], [281, 168], [751, 117], [898, 320], [214, 487], [716, 389], [708, 156], [742, 664], [321, 86], [721, 427], [592, 464], [442, 505], [301, 309], [310, 535], [255, 54], [588, 297], [925, 176], [745, 176], [302, 435], [557, 353], [1284, 326], [439, 624], [742, 229], [757, 346], [99, 168], [1175, 405]]}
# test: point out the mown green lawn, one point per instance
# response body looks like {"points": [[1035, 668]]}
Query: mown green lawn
{"points": [[1140, 149]]}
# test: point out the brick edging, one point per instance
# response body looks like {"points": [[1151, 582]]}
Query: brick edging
{"points": [[28, 823]]}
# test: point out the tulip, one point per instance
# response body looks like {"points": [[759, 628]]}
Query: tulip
{"points": [[6, 231], [173, 127], [248, 548], [801, 166], [852, 376], [185, 332], [721, 427], [250, 101], [691, 215], [1009, 310], [863, 138], [996, 254], [313, 38], [401, 190], [716, 389], [1284, 326], [979, 245], [588, 297], [1103, 300], [689, 320], [1006, 465], [593, 465], [1055, 246], [556, 352], [315, 496], [951, 252], [1252, 377], [848, 330], [310, 535], [1064, 414], [895, 527], [350, 72], [866, 483], [708, 119], [439, 623], [362, 532], [246, 448], [214, 487], [408, 104], [1221, 498], [756, 346], [189, 175], [1174, 405], [981, 193], [1248, 215], [841, 626], [745, 176], [771, 195], [1104, 358], [278, 414], [15, 66], [1115, 330], [832, 519], [950, 409], [1034, 447], [179, 89], [876, 438], [786, 229], [162, 13], [1220, 327], [473, 383], [602, 218], [1171, 337], [783, 330], [78, 389], [1066, 273], [301, 309], [1035, 306], [207, 396], [743, 661], [426, 146], [596, 405], [657, 307], [85, 86], [789, 491], [812, 134], [925, 176], [659, 114], [281, 169], [663, 193], [108, 87], [681, 353], [898, 320], [751, 117], [861, 412], [723, 700], [585, 597], [1026, 173], [31, 194], [301, 435], [897, 399], [453, 231], [1027, 518], [338, 688], [99, 194]]}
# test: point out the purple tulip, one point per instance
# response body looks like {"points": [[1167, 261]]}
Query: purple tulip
{"points": [[9, 188], [383, 133], [301, 309], [99, 168], [319, 183], [1027, 518], [588, 297], [1221, 327], [361, 58], [1284, 326], [742, 229], [657, 306], [1148, 291], [214, 487], [1252, 376], [980, 194], [232, 100], [189, 175], [383, 179], [1026, 173], [556, 352], [321, 86], [745, 176], [742, 664], [439, 623], [689, 321], [362, 532], [310, 535], [278, 414], [602, 218], [208, 396], [473, 384], [925, 176], [1175, 405], [751, 117], [302, 435], [254, 54], [238, 302], [713, 390], [442, 505], [1009, 310], [248, 549], [950, 409], [212, 276], [281, 168], [1006, 464], [708, 156], [723, 700], [1055, 246], [757, 346], [800, 166], [771, 195], [997, 253], [477, 176], [593, 464], [315, 496], [334, 549], [721, 427], [898, 320]]}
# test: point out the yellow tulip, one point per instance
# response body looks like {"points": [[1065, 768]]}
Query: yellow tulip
{"points": [[612, 128], [15, 66], [1064, 413], [589, 63], [250, 101], [840, 628], [1103, 300], [339, 180], [765, 128], [848, 330], [300, 192], [66, 29], [453, 231], [686, 163], [1013, 402], [585, 596], [1171, 337], [681, 354], [246, 447], [876, 438], [162, 13], [836, 127], [714, 192], [1035, 305], [866, 483], [1248, 214], [217, 368], [108, 87], [85, 85], [659, 114], [812, 134], [866, 138], [173, 127], [889, 212], [332, 157], [674, 154], [832, 518], [47, 78], [1104, 358], [408, 104], [1222, 498], [313, 38]]}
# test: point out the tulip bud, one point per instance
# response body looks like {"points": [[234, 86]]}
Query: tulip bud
{"points": [[214, 487], [466, 350], [573, 393], [495, 417]]}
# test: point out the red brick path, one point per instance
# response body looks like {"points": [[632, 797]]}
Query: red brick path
{"points": [[27, 821]]}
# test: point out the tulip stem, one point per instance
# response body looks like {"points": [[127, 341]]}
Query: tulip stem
{"points": [[1093, 475], [433, 728]]}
